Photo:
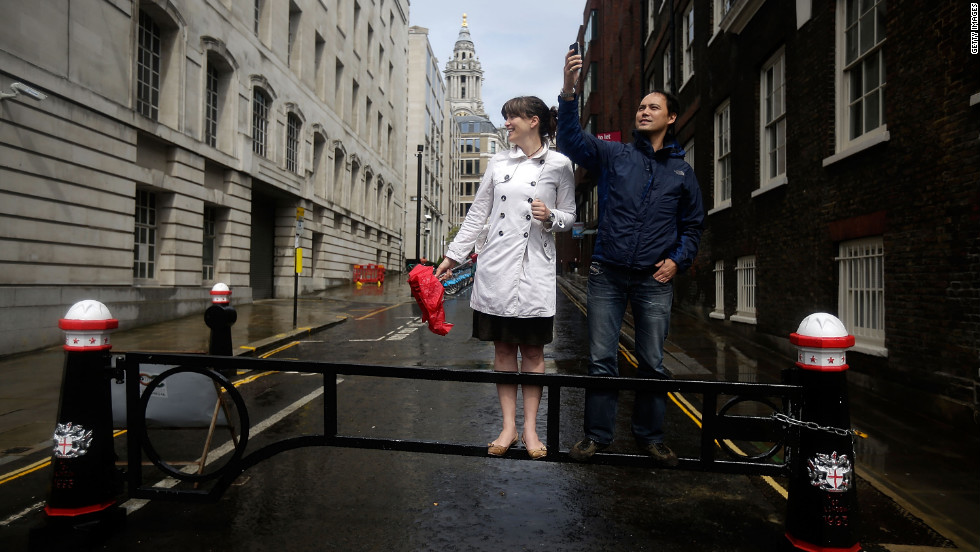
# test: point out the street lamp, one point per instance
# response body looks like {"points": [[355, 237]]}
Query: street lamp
{"points": [[418, 207]]}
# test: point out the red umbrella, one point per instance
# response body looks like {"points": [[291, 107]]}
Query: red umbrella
{"points": [[427, 291]]}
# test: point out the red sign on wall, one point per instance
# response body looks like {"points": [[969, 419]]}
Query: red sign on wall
{"points": [[609, 136]]}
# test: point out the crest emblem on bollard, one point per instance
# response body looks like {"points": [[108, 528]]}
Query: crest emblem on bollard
{"points": [[830, 472], [71, 441]]}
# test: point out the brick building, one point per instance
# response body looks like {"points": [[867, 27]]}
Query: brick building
{"points": [[836, 144]]}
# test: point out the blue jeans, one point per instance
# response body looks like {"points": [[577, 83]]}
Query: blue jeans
{"points": [[610, 290]]}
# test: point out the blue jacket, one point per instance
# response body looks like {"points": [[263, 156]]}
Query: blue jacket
{"points": [[649, 202]]}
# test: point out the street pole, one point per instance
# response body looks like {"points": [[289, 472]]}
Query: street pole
{"points": [[297, 261], [418, 207]]}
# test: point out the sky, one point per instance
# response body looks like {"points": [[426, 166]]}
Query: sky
{"points": [[521, 44]]}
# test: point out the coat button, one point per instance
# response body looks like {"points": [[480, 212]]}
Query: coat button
{"points": [[501, 215], [506, 177], [501, 233], [530, 200], [525, 234], [503, 198], [533, 183], [527, 217]]}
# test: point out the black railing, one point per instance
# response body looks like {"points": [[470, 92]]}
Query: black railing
{"points": [[719, 426]]}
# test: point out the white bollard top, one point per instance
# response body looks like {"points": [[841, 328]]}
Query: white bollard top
{"points": [[821, 342], [220, 293], [87, 326]]}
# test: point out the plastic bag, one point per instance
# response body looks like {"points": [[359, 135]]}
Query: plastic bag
{"points": [[427, 291]]}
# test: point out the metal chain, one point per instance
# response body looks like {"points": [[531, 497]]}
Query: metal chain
{"points": [[817, 427]]}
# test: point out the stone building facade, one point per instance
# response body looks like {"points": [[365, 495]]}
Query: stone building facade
{"points": [[184, 143]]}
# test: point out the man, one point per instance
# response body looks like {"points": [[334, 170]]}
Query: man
{"points": [[650, 223]]}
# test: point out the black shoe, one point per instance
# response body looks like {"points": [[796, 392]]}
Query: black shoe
{"points": [[583, 450], [660, 452]]}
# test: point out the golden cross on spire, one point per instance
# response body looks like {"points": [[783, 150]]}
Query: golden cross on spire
{"points": [[464, 20]]}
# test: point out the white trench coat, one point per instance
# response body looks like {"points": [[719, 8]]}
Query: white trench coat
{"points": [[516, 268]]}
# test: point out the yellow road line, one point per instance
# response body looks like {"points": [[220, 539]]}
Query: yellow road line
{"points": [[378, 311], [40, 464], [280, 349]]}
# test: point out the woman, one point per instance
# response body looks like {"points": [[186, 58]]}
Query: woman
{"points": [[526, 194]]}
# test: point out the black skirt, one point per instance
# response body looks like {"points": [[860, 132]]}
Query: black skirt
{"points": [[524, 331]]}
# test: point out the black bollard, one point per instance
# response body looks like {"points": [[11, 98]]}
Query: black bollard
{"points": [[82, 506], [220, 317], [821, 513]]}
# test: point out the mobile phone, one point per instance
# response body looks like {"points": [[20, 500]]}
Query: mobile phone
{"points": [[574, 47]]}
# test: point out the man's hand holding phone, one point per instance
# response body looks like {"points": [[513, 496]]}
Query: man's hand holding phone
{"points": [[573, 65]]}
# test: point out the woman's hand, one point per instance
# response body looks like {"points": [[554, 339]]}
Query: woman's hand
{"points": [[539, 210], [445, 268]]}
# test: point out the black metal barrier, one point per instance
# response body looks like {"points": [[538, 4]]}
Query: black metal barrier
{"points": [[718, 425]]}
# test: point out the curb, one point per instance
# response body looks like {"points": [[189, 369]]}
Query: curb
{"points": [[263, 346]]}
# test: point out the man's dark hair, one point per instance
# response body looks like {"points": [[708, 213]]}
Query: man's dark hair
{"points": [[673, 106]]}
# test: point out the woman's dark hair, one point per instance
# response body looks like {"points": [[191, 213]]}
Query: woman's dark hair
{"points": [[531, 106]]}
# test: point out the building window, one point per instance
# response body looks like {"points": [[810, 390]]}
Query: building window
{"points": [[591, 81], [722, 7], [861, 295], [148, 68], [260, 121], [207, 254], [651, 16], [211, 107], [723, 157], [773, 109], [591, 30], [719, 310], [668, 83], [689, 153], [864, 67], [292, 59], [687, 63], [293, 125], [145, 235], [745, 290]]}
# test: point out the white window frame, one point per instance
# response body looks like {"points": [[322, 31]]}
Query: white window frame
{"points": [[209, 250], [667, 81], [719, 311], [723, 158], [870, 57], [745, 286], [772, 123], [260, 121], [861, 293], [687, 50], [721, 9], [294, 130], [145, 236]]}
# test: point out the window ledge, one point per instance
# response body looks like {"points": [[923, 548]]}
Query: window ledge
{"points": [[745, 319], [873, 138], [726, 205], [975, 99], [716, 315], [872, 350], [771, 185]]}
